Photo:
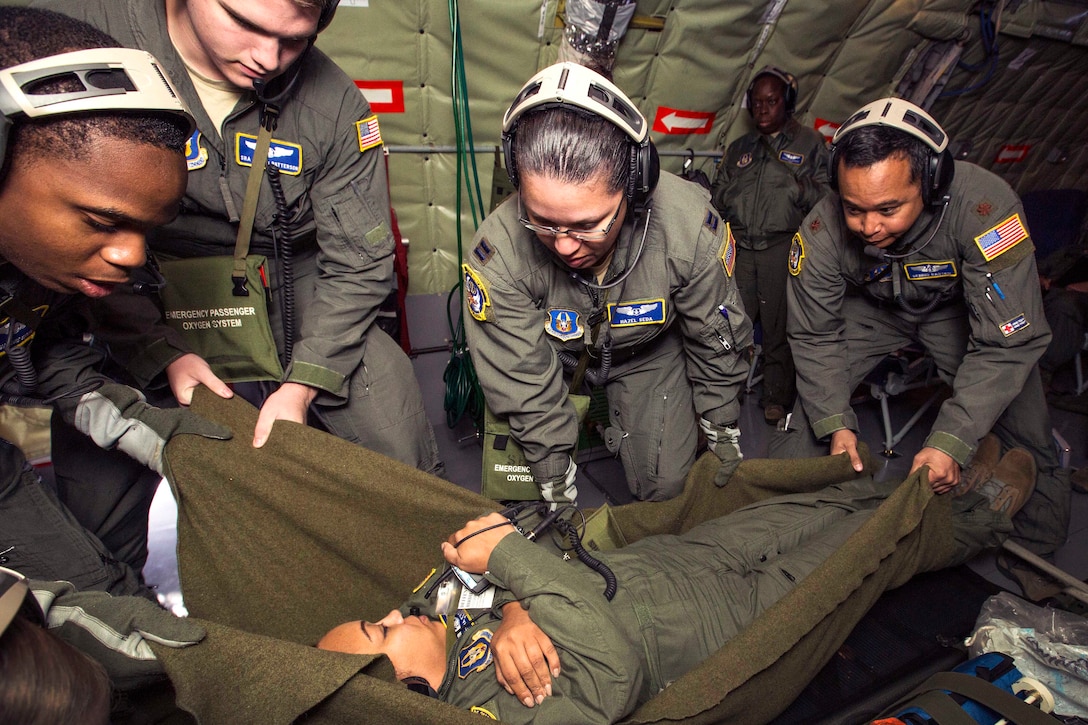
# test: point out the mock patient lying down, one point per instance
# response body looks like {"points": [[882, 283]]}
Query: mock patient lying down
{"points": [[631, 621]]}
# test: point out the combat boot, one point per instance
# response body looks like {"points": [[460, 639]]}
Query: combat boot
{"points": [[1012, 482], [982, 466]]}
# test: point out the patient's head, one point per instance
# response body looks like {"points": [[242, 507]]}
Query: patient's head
{"points": [[416, 646]]}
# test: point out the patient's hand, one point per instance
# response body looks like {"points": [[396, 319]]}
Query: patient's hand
{"points": [[525, 659], [470, 551]]}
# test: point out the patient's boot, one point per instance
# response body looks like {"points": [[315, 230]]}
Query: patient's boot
{"points": [[982, 465], [1012, 482]]}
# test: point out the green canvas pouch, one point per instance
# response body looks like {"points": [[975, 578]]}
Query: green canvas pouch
{"points": [[231, 332], [506, 475]]}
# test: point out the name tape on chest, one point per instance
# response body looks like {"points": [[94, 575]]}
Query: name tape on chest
{"points": [[1001, 238], [637, 312], [284, 155], [791, 157], [917, 271]]}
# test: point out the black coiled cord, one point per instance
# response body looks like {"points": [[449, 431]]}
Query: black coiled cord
{"points": [[285, 257], [571, 532]]}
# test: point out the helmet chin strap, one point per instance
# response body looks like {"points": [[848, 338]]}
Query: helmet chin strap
{"points": [[630, 267]]}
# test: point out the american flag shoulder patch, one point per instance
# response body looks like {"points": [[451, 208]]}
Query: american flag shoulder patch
{"points": [[370, 135], [1001, 238]]}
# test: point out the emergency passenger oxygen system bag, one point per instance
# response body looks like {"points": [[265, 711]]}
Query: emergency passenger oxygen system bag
{"points": [[506, 475], [220, 304], [232, 333]]}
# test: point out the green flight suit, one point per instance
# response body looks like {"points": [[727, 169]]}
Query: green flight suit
{"points": [[337, 197], [764, 187], [671, 331], [974, 292]]}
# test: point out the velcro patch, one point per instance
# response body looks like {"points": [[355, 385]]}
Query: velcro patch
{"points": [[476, 655], [916, 271], [563, 324], [639, 312], [476, 295], [284, 155], [711, 221], [196, 156], [790, 157], [1014, 325], [483, 251], [480, 710], [370, 135], [1001, 238], [744, 160], [728, 253], [797, 254]]}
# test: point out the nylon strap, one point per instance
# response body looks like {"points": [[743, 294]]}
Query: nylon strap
{"points": [[249, 206]]}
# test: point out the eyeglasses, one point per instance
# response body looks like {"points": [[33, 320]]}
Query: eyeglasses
{"points": [[588, 235]]}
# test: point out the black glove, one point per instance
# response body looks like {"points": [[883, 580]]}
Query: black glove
{"points": [[117, 416], [114, 630]]}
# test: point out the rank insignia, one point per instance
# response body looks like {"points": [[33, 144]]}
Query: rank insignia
{"points": [[563, 324], [711, 221], [790, 157], [476, 655], [483, 252], [984, 209], [196, 156], [797, 255], [641, 312], [917, 271], [476, 294], [744, 161], [728, 253], [284, 155], [1014, 325], [1006, 235], [816, 224], [370, 135]]}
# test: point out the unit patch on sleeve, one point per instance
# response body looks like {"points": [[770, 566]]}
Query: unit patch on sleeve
{"points": [[639, 312], [1014, 325], [728, 253], [790, 157], [476, 655], [1000, 239], [476, 294], [478, 710], [196, 156], [917, 271], [284, 155], [563, 324], [370, 135], [797, 255], [17, 333]]}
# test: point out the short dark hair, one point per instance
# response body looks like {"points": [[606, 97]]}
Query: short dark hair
{"points": [[572, 146], [869, 145], [43, 679], [28, 34]]}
